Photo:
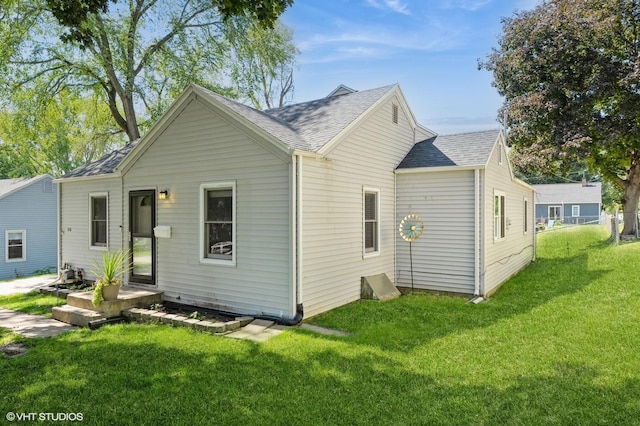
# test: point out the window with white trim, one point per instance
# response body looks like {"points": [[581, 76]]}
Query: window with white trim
{"points": [[16, 246], [99, 206], [218, 224], [371, 221], [526, 215], [575, 211], [499, 218]]}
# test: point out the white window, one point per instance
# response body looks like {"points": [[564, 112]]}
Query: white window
{"points": [[98, 206], [15, 246], [575, 211], [554, 212], [218, 223], [526, 215], [371, 221], [499, 219]]}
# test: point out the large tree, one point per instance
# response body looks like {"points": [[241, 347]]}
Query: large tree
{"points": [[569, 71], [137, 53]]}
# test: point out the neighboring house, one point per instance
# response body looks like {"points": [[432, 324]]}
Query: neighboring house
{"points": [[256, 212], [569, 202], [28, 226], [478, 218]]}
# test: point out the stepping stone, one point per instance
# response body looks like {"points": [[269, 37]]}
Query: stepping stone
{"points": [[323, 330]]}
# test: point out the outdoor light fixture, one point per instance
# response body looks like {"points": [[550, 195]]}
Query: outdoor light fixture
{"points": [[162, 195]]}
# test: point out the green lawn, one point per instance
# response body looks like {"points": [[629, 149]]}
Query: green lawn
{"points": [[558, 344], [31, 303]]}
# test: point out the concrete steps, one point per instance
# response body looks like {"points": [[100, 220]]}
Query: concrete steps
{"points": [[79, 309], [74, 315]]}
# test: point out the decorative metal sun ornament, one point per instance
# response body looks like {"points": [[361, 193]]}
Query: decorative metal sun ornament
{"points": [[411, 227]]}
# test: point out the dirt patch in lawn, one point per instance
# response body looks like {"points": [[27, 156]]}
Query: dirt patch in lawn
{"points": [[13, 350]]}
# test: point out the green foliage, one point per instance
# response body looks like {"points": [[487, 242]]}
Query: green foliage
{"points": [[134, 56], [114, 265], [262, 63], [568, 72], [53, 135]]}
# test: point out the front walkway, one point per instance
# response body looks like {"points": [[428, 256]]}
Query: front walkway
{"points": [[29, 325], [25, 285]]}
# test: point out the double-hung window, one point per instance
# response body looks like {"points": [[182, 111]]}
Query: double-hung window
{"points": [[371, 222], [499, 218], [99, 219], [218, 223], [16, 246]]}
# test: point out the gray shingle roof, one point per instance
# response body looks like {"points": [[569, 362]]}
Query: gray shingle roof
{"points": [[319, 121], [281, 130], [464, 149], [557, 193], [7, 186], [104, 165], [306, 126]]}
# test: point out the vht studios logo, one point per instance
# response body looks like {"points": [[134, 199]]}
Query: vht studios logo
{"points": [[52, 417]]}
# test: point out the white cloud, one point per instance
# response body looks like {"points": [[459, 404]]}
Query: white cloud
{"points": [[375, 42], [393, 5], [470, 5]]}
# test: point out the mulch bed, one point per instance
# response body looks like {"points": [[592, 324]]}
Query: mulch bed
{"points": [[192, 312]]}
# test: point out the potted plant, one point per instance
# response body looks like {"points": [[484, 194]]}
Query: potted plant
{"points": [[109, 275]]}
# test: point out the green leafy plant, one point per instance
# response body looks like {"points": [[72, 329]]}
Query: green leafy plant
{"points": [[196, 315], [114, 265]]}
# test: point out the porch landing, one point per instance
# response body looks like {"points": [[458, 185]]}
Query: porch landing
{"points": [[79, 309]]}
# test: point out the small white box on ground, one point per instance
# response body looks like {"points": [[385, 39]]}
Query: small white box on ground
{"points": [[162, 231]]}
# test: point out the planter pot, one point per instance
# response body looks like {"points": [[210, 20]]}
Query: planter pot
{"points": [[110, 292]]}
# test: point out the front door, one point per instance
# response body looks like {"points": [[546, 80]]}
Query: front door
{"points": [[142, 220]]}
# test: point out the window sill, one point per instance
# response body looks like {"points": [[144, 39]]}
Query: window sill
{"points": [[371, 254], [218, 262], [99, 248], [15, 260]]}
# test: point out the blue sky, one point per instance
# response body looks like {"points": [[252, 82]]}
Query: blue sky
{"points": [[430, 47]]}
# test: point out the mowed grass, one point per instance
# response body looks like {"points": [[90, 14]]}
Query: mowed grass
{"points": [[31, 303], [558, 344]]}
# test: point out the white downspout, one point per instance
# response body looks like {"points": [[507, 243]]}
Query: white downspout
{"points": [[476, 236], [59, 223], [299, 230]]}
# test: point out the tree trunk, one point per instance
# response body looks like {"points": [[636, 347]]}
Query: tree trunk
{"points": [[630, 199]]}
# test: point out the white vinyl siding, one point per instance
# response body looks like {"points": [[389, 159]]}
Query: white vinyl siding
{"points": [[332, 202], [99, 220], [443, 257], [505, 257], [75, 221], [200, 146], [16, 246]]}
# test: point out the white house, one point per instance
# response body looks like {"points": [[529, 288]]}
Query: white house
{"points": [[260, 213]]}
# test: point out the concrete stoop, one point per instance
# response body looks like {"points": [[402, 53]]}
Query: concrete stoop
{"points": [[79, 309]]}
